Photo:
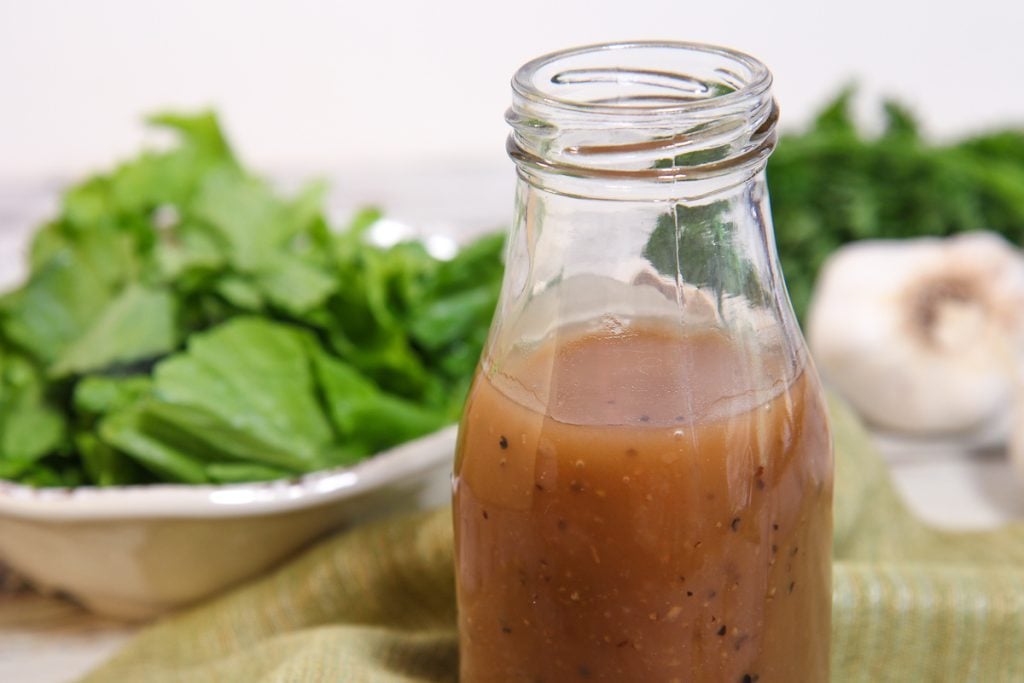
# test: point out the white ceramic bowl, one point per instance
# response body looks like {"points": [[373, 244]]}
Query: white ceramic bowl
{"points": [[136, 551]]}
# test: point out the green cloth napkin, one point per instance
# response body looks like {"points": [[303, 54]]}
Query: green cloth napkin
{"points": [[377, 604]]}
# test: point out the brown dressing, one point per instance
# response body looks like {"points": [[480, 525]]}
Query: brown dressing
{"points": [[631, 506]]}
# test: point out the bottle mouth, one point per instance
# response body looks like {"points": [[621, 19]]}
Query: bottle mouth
{"points": [[651, 110]]}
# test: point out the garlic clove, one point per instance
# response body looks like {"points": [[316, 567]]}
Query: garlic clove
{"points": [[922, 335]]}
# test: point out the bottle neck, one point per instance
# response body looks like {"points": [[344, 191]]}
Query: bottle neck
{"points": [[710, 256], [642, 196]]}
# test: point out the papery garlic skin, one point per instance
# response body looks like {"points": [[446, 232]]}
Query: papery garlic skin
{"points": [[1015, 446], [922, 336]]}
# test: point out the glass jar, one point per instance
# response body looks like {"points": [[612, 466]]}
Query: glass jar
{"points": [[643, 481]]}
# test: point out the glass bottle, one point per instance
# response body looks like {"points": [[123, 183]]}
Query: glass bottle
{"points": [[643, 481]]}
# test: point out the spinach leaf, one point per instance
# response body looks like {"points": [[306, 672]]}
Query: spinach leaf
{"points": [[139, 323], [31, 427], [254, 376]]}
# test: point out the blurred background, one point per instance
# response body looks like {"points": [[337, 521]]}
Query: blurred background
{"points": [[314, 85]]}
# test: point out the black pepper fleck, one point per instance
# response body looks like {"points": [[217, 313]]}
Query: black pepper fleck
{"points": [[689, 594], [775, 548], [539, 487], [645, 418], [735, 524], [792, 585], [486, 516], [506, 630], [562, 525], [503, 442], [622, 643], [760, 484], [794, 551], [775, 527], [584, 671], [722, 630]]}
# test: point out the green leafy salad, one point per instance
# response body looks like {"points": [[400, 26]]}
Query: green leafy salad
{"points": [[182, 322]]}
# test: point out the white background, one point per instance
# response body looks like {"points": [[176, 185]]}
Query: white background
{"points": [[318, 86]]}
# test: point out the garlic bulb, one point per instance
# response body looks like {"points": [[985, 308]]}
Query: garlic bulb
{"points": [[923, 336]]}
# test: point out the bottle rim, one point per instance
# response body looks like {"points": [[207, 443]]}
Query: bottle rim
{"points": [[755, 83], [662, 111]]}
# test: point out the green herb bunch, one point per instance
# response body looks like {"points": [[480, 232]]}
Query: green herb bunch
{"points": [[832, 184]]}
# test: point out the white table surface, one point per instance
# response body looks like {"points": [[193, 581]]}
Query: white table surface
{"points": [[49, 640]]}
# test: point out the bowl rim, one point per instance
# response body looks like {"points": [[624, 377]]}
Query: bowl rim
{"points": [[196, 501]]}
